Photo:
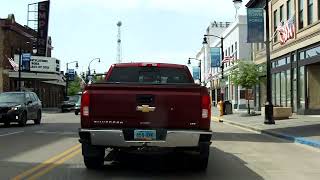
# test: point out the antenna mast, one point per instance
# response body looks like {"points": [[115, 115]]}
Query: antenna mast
{"points": [[119, 50]]}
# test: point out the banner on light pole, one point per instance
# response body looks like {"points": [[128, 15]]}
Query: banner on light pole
{"points": [[215, 56], [255, 23], [196, 72]]}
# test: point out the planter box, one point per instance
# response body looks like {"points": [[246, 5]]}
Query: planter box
{"points": [[279, 112]]}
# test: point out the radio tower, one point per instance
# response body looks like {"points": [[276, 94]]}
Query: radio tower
{"points": [[119, 50]]}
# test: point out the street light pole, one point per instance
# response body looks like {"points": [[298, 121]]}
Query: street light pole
{"points": [[268, 106], [89, 73], [67, 78], [222, 52]]}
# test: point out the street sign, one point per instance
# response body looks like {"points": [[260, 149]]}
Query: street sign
{"points": [[25, 57], [71, 74]]}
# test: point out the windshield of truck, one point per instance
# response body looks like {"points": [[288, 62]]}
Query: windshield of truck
{"points": [[149, 75]]}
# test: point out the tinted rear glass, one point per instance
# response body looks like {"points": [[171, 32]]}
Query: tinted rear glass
{"points": [[149, 75]]}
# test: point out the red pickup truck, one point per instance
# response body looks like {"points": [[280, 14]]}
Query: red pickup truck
{"points": [[145, 107]]}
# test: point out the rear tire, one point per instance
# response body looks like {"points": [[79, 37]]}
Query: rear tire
{"points": [[23, 119], [93, 162], [7, 124], [76, 112], [201, 163], [39, 116], [93, 156]]}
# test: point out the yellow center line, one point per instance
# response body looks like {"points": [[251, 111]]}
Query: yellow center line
{"points": [[46, 163], [52, 166]]}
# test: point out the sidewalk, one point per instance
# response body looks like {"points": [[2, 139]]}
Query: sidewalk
{"points": [[301, 129]]}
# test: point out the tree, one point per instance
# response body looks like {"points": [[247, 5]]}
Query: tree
{"points": [[74, 86], [246, 74]]}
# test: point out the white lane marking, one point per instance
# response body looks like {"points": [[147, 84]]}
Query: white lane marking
{"points": [[7, 134]]}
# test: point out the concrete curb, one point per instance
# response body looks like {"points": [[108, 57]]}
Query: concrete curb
{"points": [[299, 140]]}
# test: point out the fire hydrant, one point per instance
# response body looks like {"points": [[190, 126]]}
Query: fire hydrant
{"points": [[220, 106]]}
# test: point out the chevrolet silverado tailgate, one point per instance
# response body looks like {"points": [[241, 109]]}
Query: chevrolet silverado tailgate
{"points": [[143, 106]]}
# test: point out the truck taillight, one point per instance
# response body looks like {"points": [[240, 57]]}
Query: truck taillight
{"points": [[85, 101], [206, 107]]}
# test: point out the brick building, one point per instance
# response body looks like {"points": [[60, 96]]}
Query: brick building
{"points": [[49, 85]]}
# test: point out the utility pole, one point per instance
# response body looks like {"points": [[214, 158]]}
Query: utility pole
{"points": [[19, 78]]}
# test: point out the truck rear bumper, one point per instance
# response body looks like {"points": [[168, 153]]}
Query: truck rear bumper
{"points": [[115, 138]]}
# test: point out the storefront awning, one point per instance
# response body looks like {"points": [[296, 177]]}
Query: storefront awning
{"points": [[31, 75]]}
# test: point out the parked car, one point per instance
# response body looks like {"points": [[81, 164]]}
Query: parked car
{"points": [[69, 103], [145, 107], [20, 107], [77, 105]]}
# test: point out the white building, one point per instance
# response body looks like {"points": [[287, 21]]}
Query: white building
{"points": [[234, 45], [216, 28]]}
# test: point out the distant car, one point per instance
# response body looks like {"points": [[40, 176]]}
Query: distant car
{"points": [[69, 103], [20, 107], [77, 105]]}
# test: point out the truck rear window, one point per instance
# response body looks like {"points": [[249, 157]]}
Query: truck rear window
{"points": [[149, 75]]}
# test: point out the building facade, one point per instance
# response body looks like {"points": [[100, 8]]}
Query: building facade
{"points": [[16, 39], [215, 28], [295, 63], [234, 45]]}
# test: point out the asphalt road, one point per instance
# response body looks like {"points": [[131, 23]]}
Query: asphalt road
{"points": [[51, 151]]}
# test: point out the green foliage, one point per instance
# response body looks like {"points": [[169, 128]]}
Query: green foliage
{"points": [[74, 86], [246, 74]]}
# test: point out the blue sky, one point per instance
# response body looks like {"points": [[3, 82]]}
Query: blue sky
{"points": [[153, 30]]}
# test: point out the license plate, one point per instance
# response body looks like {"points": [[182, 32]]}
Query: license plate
{"points": [[145, 135]]}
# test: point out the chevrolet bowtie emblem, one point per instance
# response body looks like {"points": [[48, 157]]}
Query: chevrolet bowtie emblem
{"points": [[146, 108]]}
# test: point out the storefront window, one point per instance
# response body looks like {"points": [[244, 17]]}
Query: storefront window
{"points": [[257, 93], [278, 89], [282, 62], [288, 88], [301, 87], [294, 89], [294, 58], [283, 88], [313, 52], [226, 92], [301, 55], [273, 89]]}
